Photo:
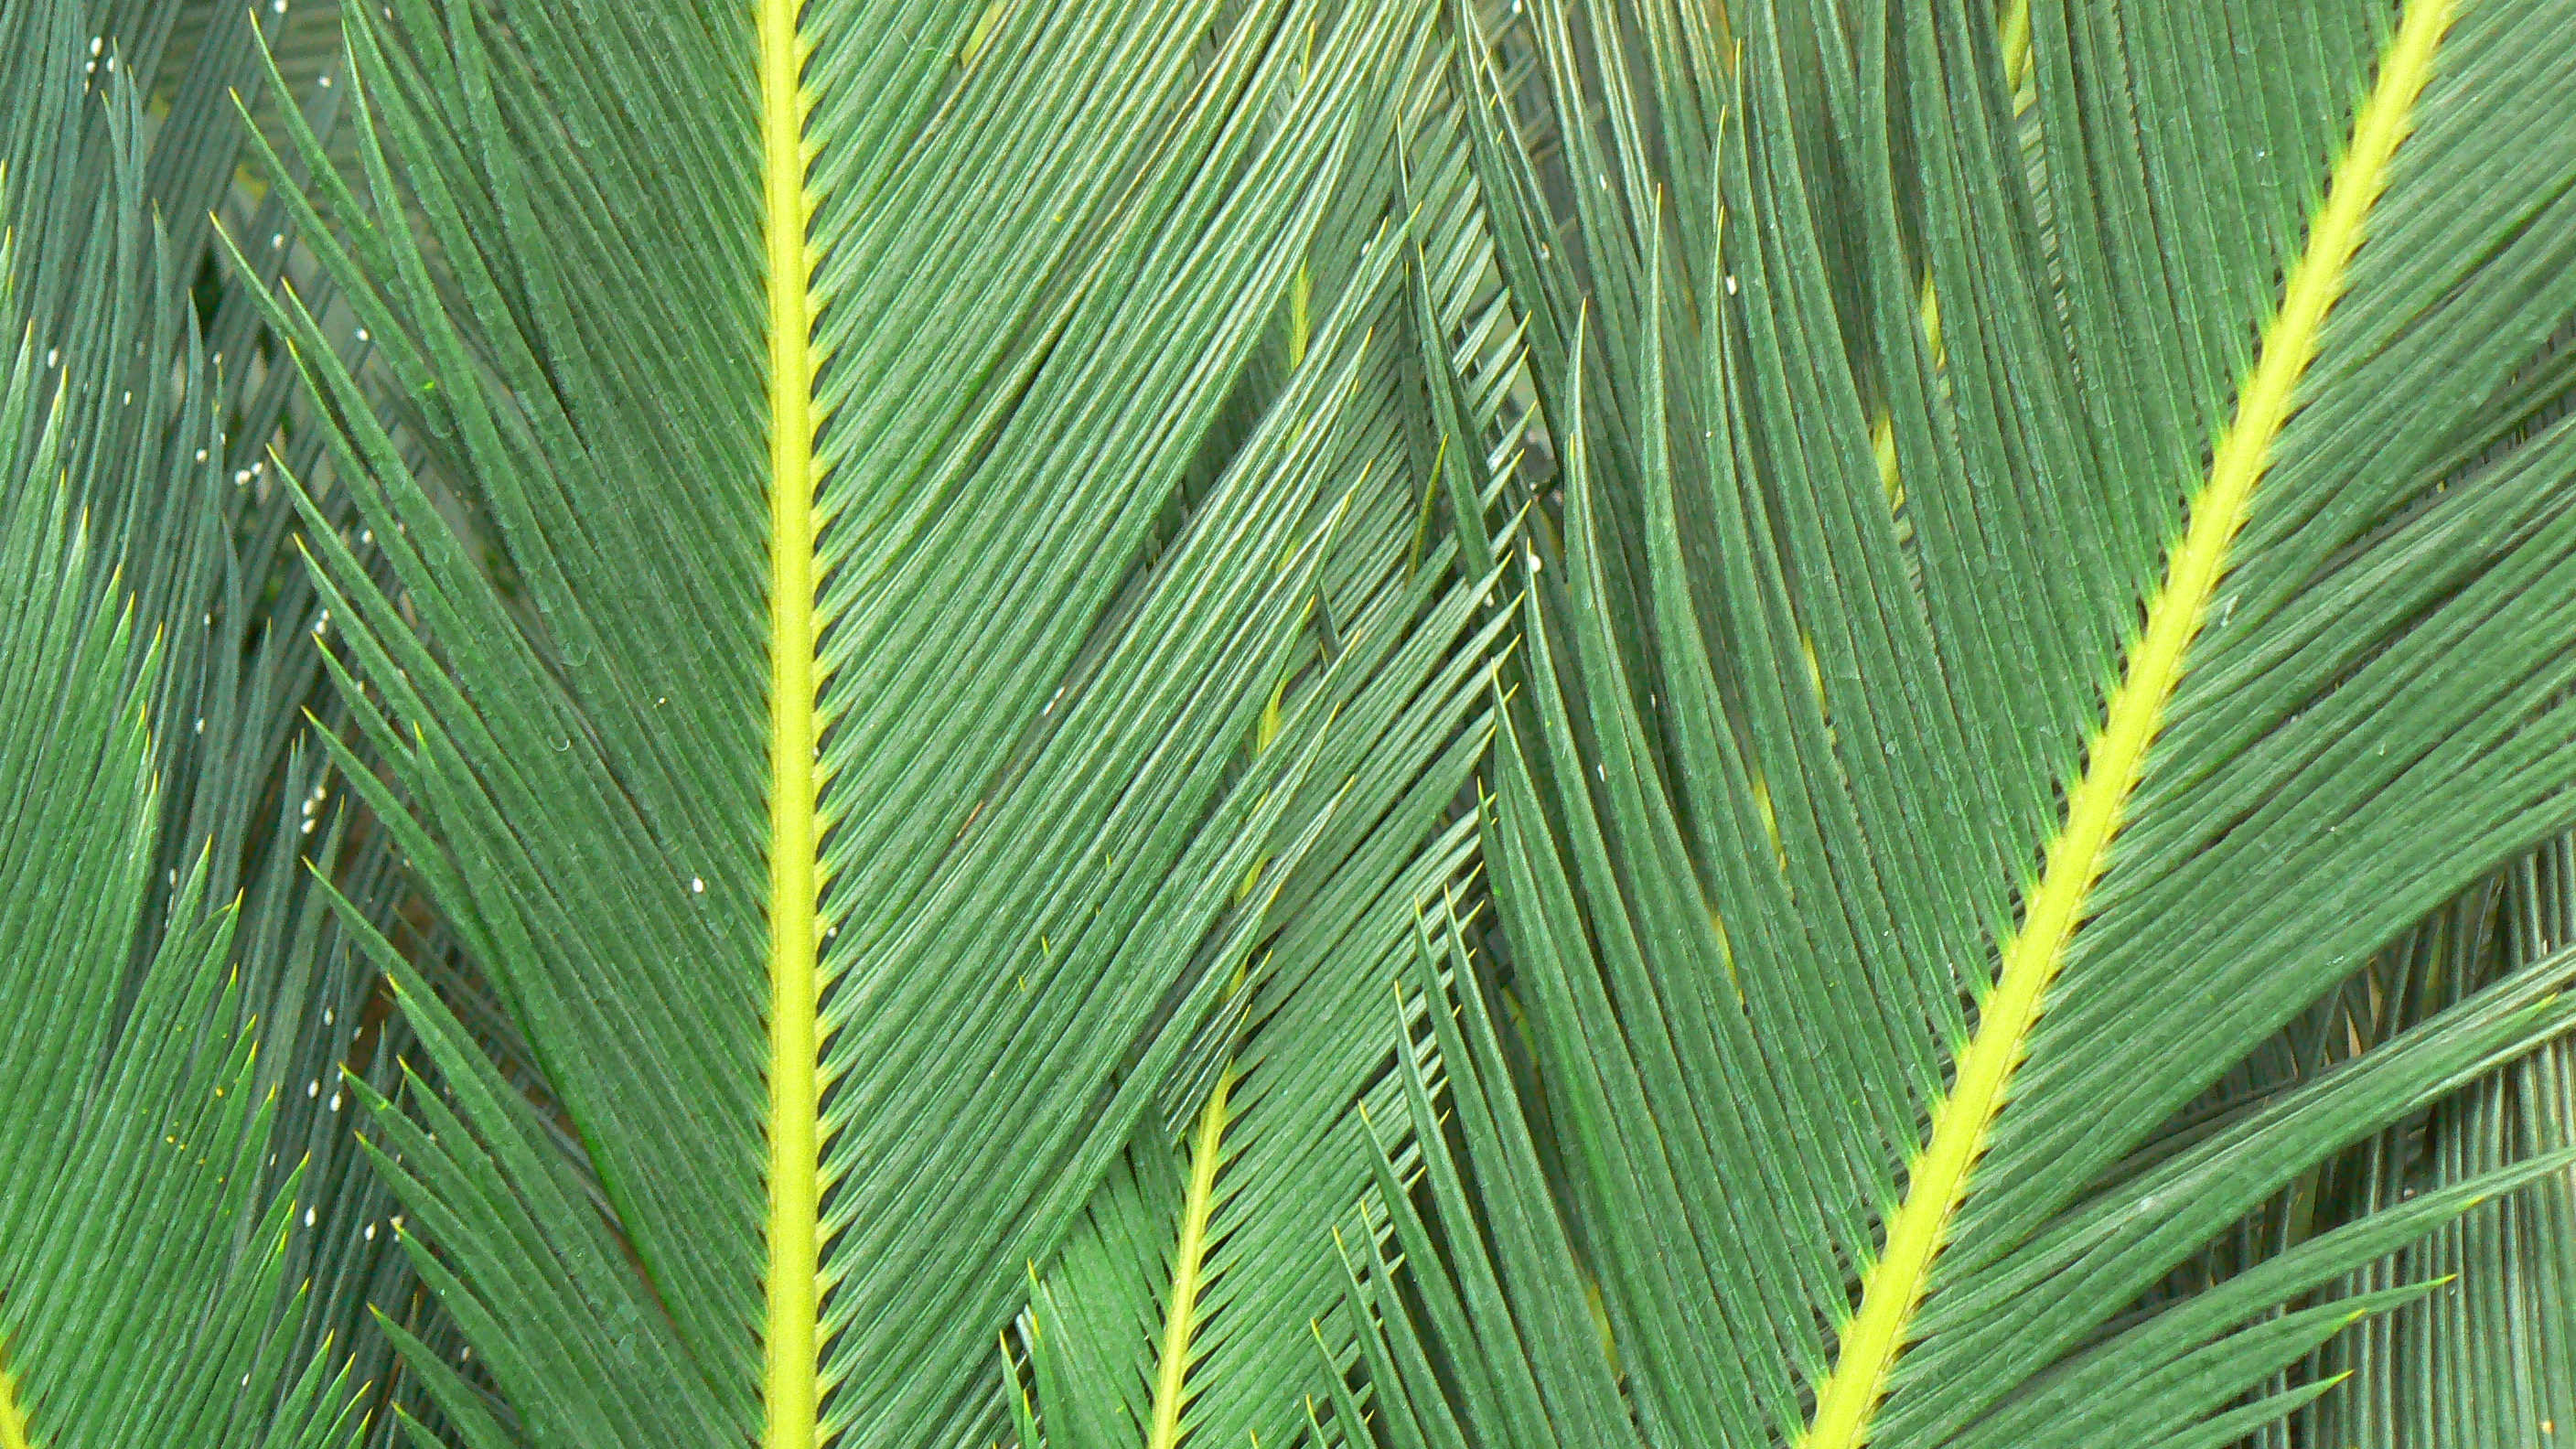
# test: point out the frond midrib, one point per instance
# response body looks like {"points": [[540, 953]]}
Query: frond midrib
{"points": [[1189, 1262], [1939, 1177], [791, 1388]]}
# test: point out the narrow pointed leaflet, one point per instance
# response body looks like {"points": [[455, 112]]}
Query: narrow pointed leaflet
{"points": [[2054, 909], [792, 1394]]}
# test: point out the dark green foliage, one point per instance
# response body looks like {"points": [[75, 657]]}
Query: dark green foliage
{"points": [[1426, 561]]}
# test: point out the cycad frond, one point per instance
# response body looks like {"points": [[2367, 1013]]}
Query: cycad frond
{"points": [[1965, 721], [141, 1260], [945, 693], [157, 1271], [2487, 1358], [1189, 1300]]}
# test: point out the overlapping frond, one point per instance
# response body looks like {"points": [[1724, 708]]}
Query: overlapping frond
{"points": [[141, 1258], [1128, 675], [158, 1278], [923, 588], [2485, 1358], [1897, 838], [1195, 1296]]}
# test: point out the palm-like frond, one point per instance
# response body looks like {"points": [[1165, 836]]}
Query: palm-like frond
{"points": [[944, 705], [157, 1275], [1190, 1299], [2486, 1357], [915, 613], [142, 1267], [2048, 589]]}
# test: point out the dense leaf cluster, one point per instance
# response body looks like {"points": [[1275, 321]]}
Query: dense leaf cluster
{"points": [[1521, 723]]}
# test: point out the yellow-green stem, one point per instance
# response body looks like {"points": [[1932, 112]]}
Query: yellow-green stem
{"points": [[790, 1390], [1207, 1150], [1189, 1259], [1872, 1340]]}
